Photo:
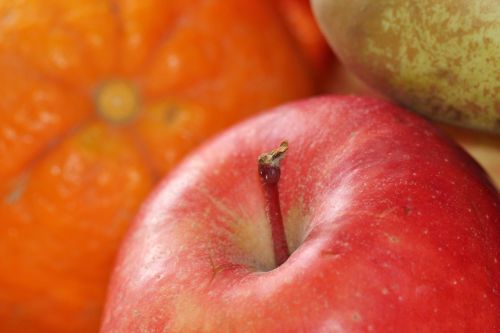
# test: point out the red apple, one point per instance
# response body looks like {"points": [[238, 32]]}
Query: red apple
{"points": [[484, 147], [390, 225]]}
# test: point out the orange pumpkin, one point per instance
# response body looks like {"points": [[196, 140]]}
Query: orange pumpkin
{"points": [[301, 22], [97, 100]]}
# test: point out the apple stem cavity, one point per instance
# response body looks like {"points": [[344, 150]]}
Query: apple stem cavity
{"points": [[269, 172]]}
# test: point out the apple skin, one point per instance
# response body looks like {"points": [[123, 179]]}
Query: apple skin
{"points": [[440, 58], [483, 147], [393, 228]]}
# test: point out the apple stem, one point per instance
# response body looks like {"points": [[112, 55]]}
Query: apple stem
{"points": [[269, 172]]}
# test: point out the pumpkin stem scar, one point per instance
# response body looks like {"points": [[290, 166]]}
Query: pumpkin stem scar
{"points": [[117, 101]]}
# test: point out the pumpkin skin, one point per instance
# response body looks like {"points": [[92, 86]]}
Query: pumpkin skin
{"points": [[98, 99], [301, 22]]}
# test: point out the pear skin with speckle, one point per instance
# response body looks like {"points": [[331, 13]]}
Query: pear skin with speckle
{"points": [[439, 58]]}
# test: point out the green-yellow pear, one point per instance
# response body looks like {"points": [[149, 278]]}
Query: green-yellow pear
{"points": [[440, 58]]}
